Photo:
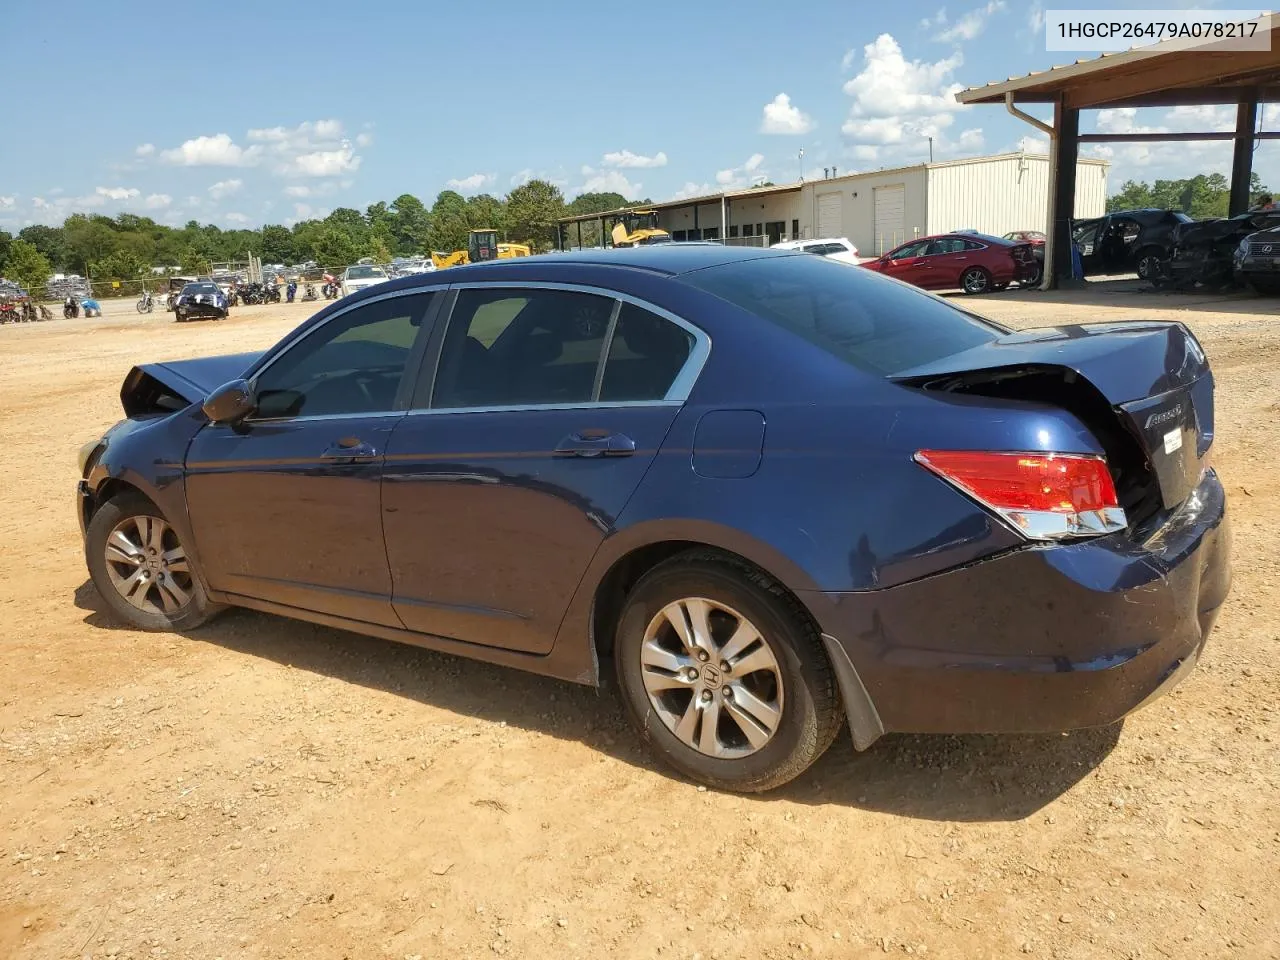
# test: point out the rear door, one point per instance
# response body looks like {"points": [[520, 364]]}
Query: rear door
{"points": [[520, 452], [945, 259]]}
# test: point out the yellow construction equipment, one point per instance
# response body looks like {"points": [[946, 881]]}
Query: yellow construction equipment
{"points": [[482, 245], [636, 228]]}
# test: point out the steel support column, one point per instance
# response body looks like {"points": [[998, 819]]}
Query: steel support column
{"points": [[1242, 158], [1066, 128]]}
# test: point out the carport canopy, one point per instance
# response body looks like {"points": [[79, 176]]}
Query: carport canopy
{"points": [[1173, 73]]}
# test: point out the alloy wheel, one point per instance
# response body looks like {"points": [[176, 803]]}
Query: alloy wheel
{"points": [[712, 678], [975, 281], [148, 566]]}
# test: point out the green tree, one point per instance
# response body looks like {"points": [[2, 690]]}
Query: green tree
{"points": [[412, 224], [449, 223], [119, 265], [51, 241], [485, 212], [532, 211], [191, 262], [336, 249], [89, 239], [5, 240], [27, 267], [378, 249], [276, 244]]}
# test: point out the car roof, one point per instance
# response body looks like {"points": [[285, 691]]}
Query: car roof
{"points": [[665, 258]]}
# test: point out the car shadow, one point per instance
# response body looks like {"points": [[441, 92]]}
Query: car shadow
{"points": [[944, 778]]}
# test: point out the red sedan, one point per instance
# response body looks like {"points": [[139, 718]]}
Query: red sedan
{"points": [[972, 262]]}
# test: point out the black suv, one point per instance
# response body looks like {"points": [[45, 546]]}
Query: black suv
{"points": [[1127, 241], [1257, 260]]}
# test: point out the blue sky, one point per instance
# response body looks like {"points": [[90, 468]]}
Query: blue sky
{"points": [[282, 112]]}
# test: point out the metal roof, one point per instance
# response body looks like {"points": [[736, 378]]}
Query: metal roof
{"points": [[1043, 85], [796, 186]]}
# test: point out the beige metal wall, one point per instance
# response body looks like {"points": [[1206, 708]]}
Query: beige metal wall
{"points": [[858, 213], [1006, 193]]}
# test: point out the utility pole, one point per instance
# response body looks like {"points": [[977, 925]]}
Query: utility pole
{"points": [[931, 149]]}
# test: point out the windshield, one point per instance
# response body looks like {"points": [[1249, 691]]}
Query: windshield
{"points": [[867, 320], [365, 273], [200, 288]]}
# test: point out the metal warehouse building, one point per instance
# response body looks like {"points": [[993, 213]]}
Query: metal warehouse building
{"points": [[875, 210]]}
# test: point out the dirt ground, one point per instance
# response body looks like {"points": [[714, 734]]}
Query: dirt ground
{"points": [[265, 788]]}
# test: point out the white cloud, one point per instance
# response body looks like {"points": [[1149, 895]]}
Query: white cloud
{"points": [[364, 139], [216, 151], [691, 189], [157, 201], [929, 23], [627, 159], [324, 163], [782, 117], [520, 178], [224, 188], [1038, 145], [54, 191], [738, 178], [145, 149], [971, 24], [7, 202], [898, 104], [1035, 17], [305, 211], [299, 190], [470, 184], [236, 218], [607, 181], [849, 59], [117, 193]]}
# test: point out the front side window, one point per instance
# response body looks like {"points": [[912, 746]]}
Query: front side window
{"points": [[509, 347], [352, 364], [910, 250]]}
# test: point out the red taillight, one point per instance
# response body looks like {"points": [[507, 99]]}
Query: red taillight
{"points": [[1045, 496]]}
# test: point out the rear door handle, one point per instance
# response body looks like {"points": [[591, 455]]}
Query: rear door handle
{"points": [[349, 449], [596, 445]]}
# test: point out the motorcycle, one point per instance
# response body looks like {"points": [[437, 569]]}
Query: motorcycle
{"points": [[145, 304], [70, 308], [271, 293], [309, 292], [290, 291], [331, 290]]}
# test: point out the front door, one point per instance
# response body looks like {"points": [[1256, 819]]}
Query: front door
{"points": [[499, 490], [907, 263], [285, 506]]}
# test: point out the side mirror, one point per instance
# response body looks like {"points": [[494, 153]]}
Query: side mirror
{"points": [[230, 402]]}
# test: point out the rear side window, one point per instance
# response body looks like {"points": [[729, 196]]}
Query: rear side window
{"points": [[645, 356], [869, 321]]}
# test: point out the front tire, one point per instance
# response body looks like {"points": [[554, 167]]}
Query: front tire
{"points": [[1150, 264], [724, 675], [140, 567], [975, 280]]}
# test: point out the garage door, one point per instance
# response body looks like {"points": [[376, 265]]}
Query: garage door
{"points": [[891, 217], [830, 215]]}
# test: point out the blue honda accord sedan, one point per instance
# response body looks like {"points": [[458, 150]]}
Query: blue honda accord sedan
{"points": [[771, 493]]}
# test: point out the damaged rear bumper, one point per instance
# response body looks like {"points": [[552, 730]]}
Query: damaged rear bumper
{"points": [[1038, 639]]}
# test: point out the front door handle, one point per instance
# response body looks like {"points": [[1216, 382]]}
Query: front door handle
{"points": [[596, 445], [349, 449]]}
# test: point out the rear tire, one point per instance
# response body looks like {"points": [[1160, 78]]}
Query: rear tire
{"points": [[1150, 264], [1265, 287], [975, 280], [772, 703], [141, 569]]}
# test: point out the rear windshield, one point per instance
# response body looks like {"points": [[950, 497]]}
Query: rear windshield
{"points": [[869, 321]]}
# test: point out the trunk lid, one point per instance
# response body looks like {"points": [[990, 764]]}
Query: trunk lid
{"points": [[1144, 389]]}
